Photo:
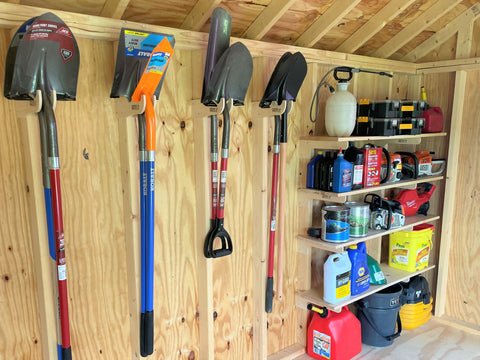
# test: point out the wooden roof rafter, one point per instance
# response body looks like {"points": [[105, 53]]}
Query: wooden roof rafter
{"points": [[114, 9], [199, 14], [374, 25], [331, 17], [267, 18], [420, 23], [464, 19]]}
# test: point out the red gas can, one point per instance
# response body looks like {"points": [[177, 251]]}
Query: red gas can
{"points": [[433, 120], [336, 336]]}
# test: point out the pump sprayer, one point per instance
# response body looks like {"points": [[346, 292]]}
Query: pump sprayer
{"points": [[341, 107]]}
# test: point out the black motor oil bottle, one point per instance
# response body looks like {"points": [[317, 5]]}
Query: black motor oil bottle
{"points": [[355, 156]]}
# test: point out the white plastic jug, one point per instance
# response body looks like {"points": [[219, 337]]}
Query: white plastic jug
{"points": [[336, 278], [341, 112]]}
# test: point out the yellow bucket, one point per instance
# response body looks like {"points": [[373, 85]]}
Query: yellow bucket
{"points": [[410, 250]]}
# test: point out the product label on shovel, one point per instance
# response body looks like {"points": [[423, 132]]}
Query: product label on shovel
{"points": [[53, 31], [141, 44]]}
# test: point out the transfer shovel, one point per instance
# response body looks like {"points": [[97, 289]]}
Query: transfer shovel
{"points": [[283, 85], [150, 80], [230, 79], [218, 42], [47, 59]]}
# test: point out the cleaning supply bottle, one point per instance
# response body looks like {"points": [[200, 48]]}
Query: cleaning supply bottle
{"points": [[355, 156], [311, 170], [376, 274], [360, 277], [336, 278], [342, 174]]}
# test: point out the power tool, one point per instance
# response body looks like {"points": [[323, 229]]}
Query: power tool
{"points": [[416, 201], [384, 214], [420, 163], [391, 167]]}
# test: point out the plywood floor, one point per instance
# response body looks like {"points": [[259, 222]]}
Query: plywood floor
{"points": [[434, 340]]}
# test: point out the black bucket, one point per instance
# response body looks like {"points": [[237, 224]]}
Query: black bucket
{"points": [[379, 316]]}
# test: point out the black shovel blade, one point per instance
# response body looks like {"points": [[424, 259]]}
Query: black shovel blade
{"points": [[286, 82], [273, 89], [12, 55], [218, 42], [231, 75], [47, 59], [133, 53]]}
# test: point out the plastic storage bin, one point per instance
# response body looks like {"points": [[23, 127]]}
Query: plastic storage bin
{"points": [[410, 250]]}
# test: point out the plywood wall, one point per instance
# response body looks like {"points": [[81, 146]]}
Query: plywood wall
{"points": [[19, 319], [94, 221], [462, 289]]}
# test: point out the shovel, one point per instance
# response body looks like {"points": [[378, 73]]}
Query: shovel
{"points": [[150, 80], [47, 59], [133, 54], [230, 79], [10, 61], [218, 42], [283, 85]]}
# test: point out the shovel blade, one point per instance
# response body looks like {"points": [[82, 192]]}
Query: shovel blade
{"points": [[218, 42], [133, 53], [231, 75], [12, 55], [154, 71], [286, 79], [47, 59]]}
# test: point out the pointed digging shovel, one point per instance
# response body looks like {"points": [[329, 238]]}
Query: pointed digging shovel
{"points": [[283, 85], [48, 60], [218, 42], [230, 79]]}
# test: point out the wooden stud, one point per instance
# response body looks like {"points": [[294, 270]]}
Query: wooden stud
{"points": [[449, 66], [374, 25], [451, 184], [325, 22], [464, 40], [39, 235], [436, 11], [114, 8], [199, 14], [465, 19], [203, 194], [267, 18]]}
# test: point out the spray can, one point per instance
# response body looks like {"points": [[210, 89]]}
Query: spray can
{"points": [[336, 282], [342, 174]]}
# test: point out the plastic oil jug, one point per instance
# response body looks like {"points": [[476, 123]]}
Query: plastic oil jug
{"points": [[342, 174], [377, 277], [336, 281], [360, 276], [311, 170], [334, 336]]}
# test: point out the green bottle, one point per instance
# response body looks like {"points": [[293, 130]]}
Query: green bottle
{"points": [[376, 274]]}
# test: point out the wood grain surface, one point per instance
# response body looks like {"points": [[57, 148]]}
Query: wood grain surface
{"points": [[462, 294], [19, 318]]}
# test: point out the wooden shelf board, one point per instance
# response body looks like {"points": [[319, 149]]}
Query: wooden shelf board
{"points": [[290, 352], [393, 276], [368, 138], [410, 222], [330, 195]]}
